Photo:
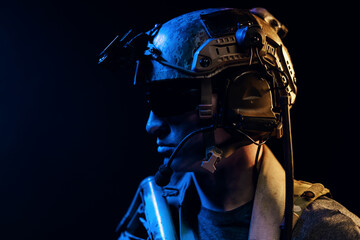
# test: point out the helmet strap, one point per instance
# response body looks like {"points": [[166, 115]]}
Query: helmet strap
{"points": [[205, 106], [213, 155]]}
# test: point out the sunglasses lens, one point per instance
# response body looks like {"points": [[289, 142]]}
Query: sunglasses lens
{"points": [[174, 99]]}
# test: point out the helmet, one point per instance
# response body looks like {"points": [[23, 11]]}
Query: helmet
{"points": [[236, 53]]}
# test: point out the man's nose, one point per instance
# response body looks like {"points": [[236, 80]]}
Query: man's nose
{"points": [[157, 126]]}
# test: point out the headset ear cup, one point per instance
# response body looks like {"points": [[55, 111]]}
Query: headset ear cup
{"points": [[249, 103]]}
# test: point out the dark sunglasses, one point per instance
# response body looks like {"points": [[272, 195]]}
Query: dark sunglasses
{"points": [[175, 98]]}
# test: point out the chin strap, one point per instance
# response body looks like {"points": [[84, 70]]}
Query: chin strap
{"points": [[213, 154]]}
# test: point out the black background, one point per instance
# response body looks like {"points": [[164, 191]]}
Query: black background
{"points": [[73, 143]]}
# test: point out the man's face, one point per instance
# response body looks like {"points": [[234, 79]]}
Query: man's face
{"points": [[173, 116], [169, 131]]}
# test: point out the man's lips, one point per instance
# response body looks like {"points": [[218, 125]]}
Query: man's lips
{"points": [[165, 150]]}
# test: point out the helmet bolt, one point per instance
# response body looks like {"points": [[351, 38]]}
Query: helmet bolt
{"points": [[205, 62], [255, 39]]}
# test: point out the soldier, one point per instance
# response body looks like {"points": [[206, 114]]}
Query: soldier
{"points": [[219, 83]]}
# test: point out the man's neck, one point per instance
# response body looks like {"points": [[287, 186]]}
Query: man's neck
{"points": [[232, 185]]}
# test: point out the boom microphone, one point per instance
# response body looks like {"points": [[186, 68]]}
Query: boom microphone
{"points": [[163, 175]]}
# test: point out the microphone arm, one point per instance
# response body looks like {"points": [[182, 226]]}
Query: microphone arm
{"points": [[163, 175]]}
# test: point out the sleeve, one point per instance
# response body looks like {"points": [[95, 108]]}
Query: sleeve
{"points": [[327, 219]]}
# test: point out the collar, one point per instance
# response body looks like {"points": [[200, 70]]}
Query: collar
{"points": [[269, 201], [268, 207]]}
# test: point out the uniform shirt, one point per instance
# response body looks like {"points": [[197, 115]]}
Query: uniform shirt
{"points": [[232, 224], [327, 219], [323, 219]]}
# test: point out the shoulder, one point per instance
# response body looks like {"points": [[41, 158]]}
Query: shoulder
{"points": [[325, 218]]}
